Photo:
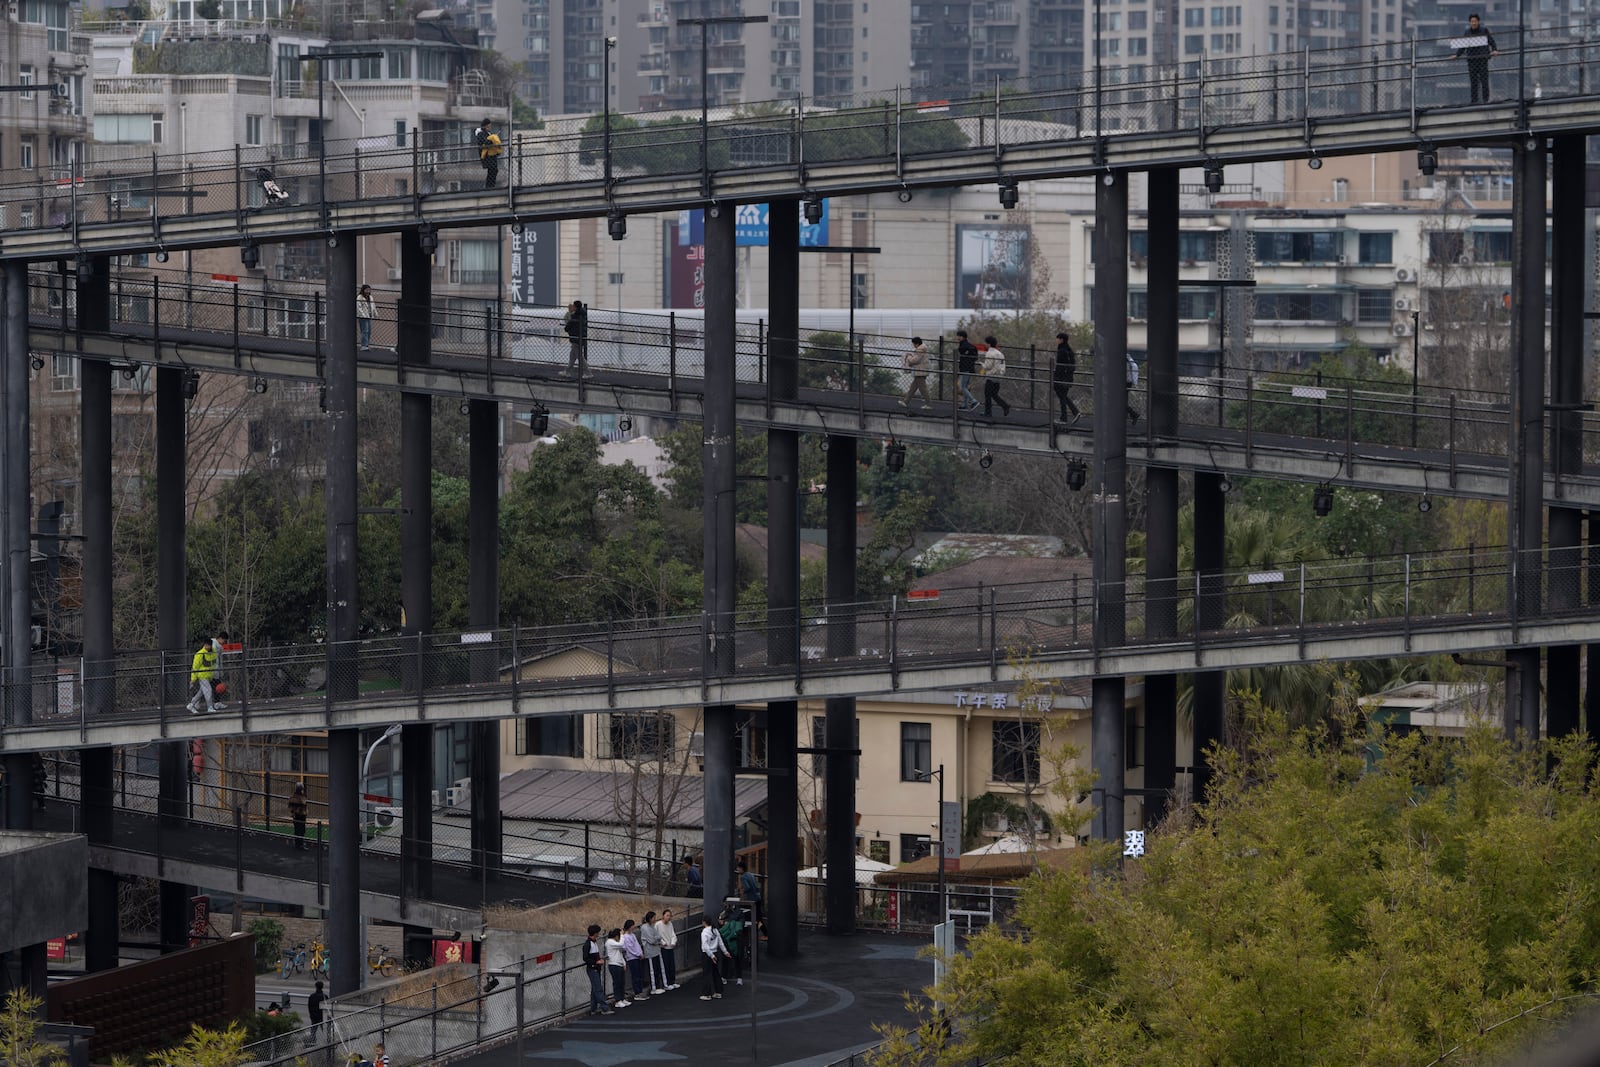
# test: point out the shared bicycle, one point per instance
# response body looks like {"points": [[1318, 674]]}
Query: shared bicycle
{"points": [[294, 961]]}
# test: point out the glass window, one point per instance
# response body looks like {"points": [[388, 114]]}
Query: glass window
{"points": [[819, 739], [252, 129], [916, 751], [1376, 248], [914, 847], [124, 129], [1281, 246], [1491, 246], [1373, 305], [1300, 307], [644, 736], [399, 62], [1015, 751], [1446, 246], [550, 735]]}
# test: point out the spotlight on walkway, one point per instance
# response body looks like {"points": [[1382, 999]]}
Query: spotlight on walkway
{"points": [[427, 239], [36, 362], [466, 406], [904, 195], [1315, 162], [1077, 474], [516, 227], [1425, 505], [1008, 193], [812, 206], [822, 445], [986, 460], [616, 225], [1213, 176], [250, 255], [1322, 501], [894, 457], [624, 424], [259, 385], [1427, 158], [162, 256], [539, 423], [191, 384], [1224, 484]]}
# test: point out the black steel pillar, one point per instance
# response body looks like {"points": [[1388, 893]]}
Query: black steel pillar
{"points": [[344, 830], [99, 654], [781, 902], [719, 455], [1161, 494], [172, 624], [483, 611], [1110, 477], [1210, 559], [1525, 510], [416, 578], [839, 728], [1591, 687], [1564, 662], [100, 951]]}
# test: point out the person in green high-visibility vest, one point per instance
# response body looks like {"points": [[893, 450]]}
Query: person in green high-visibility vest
{"points": [[203, 675]]}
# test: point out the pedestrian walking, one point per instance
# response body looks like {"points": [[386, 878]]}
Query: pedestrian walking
{"points": [[297, 814], [669, 947], [594, 964], [966, 367], [203, 675], [1133, 383], [1476, 46], [694, 883], [732, 932], [1065, 369], [364, 316], [489, 149], [714, 952], [617, 964], [994, 372], [633, 953], [650, 941], [917, 364], [750, 891], [314, 1012], [576, 326]]}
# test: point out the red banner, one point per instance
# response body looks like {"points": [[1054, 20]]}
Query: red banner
{"points": [[451, 952], [55, 948]]}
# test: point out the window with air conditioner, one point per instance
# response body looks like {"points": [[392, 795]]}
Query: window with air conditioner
{"points": [[1014, 751]]}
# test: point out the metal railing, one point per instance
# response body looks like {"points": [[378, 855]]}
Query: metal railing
{"points": [[1294, 602], [1197, 99]]}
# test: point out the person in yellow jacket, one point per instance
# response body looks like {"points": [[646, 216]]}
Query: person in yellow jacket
{"points": [[203, 675], [489, 149]]}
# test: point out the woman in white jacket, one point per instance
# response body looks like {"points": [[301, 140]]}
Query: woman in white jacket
{"points": [[617, 963], [669, 946], [650, 943]]}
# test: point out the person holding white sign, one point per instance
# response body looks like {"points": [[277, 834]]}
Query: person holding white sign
{"points": [[1477, 45]]}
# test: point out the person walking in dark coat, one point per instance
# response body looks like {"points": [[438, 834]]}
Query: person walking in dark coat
{"points": [[297, 814], [1066, 368], [314, 1013], [1477, 45], [966, 367]]}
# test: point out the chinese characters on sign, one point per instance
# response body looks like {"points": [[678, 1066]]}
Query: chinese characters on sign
{"points": [[1003, 701], [1133, 843]]}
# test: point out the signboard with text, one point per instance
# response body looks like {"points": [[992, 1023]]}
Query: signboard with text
{"points": [[534, 283]]}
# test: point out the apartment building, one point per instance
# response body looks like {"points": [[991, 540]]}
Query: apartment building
{"points": [[43, 133]]}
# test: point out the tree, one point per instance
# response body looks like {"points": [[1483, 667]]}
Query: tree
{"points": [[19, 1029], [205, 1048], [1346, 896], [647, 793]]}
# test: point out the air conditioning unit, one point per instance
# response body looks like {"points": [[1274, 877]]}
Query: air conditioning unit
{"points": [[434, 797], [1402, 304], [387, 814], [453, 186], [1464, 258], [1342, 260], [454, 797], [394, 274], [1402, 275], [1402, 329]]}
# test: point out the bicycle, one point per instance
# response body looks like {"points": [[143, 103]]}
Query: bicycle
{"points": [[319, 960], [294, 961], [380, 962]]}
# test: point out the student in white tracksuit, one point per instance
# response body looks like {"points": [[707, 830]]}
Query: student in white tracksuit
{"points": [[650, 943], [669, 947], [711, 947]]}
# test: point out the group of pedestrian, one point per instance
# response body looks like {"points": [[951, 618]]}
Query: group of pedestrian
{"points": [[640, 957], [990, 362]]}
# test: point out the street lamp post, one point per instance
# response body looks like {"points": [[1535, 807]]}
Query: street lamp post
{"points": [[611, 42], [938, 844], [322, 126], [716, 20], [850, 251]]}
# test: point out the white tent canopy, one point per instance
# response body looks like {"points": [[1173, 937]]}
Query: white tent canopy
{"points": [[865, 869], [1010, 843]]}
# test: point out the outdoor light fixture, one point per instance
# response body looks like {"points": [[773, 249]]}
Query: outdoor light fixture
{"points": [[466, 406], [37, 363], [1008, 193], [1322, 501], [1427, 158], [516, 227], [894, 457], [539, 421], [191, 384], [822, 445], [714, 211], [85, 266], [616, 224], [427, 239], [1425, 505], [1224, 485], [904, 195], [259, 385], [161, 255], [250, 255], [1213, 176], [986, 460], [624, 424], [1108, 179], [130, 372], [1533, 144], [1315, 162], [1077, 474], [812, 206]]}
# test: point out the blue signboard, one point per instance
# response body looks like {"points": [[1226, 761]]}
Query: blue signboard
{"points": [[749, 227]]}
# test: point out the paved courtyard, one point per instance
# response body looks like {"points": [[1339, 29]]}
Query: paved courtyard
{"points": [[808, 1012]]}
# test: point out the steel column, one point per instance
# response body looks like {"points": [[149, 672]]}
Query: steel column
{"points": [[1110, 476], [1525, 510], [1210, 559], [15, 503], [100, 951], [719, 456], [416, 594], [1563, 662], [781, 900], [344, 859], [416, 839], [483, 611], [839, 730], [1161, 492], [172, 623], [344, 614]]}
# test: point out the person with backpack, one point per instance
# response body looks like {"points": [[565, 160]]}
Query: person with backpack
{"points": [[731, 932], [994, 372], [576, 325], [203, 675], [489, 149]]}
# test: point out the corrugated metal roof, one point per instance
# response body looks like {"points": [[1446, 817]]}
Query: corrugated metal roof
{"points": [[599, 796]]}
